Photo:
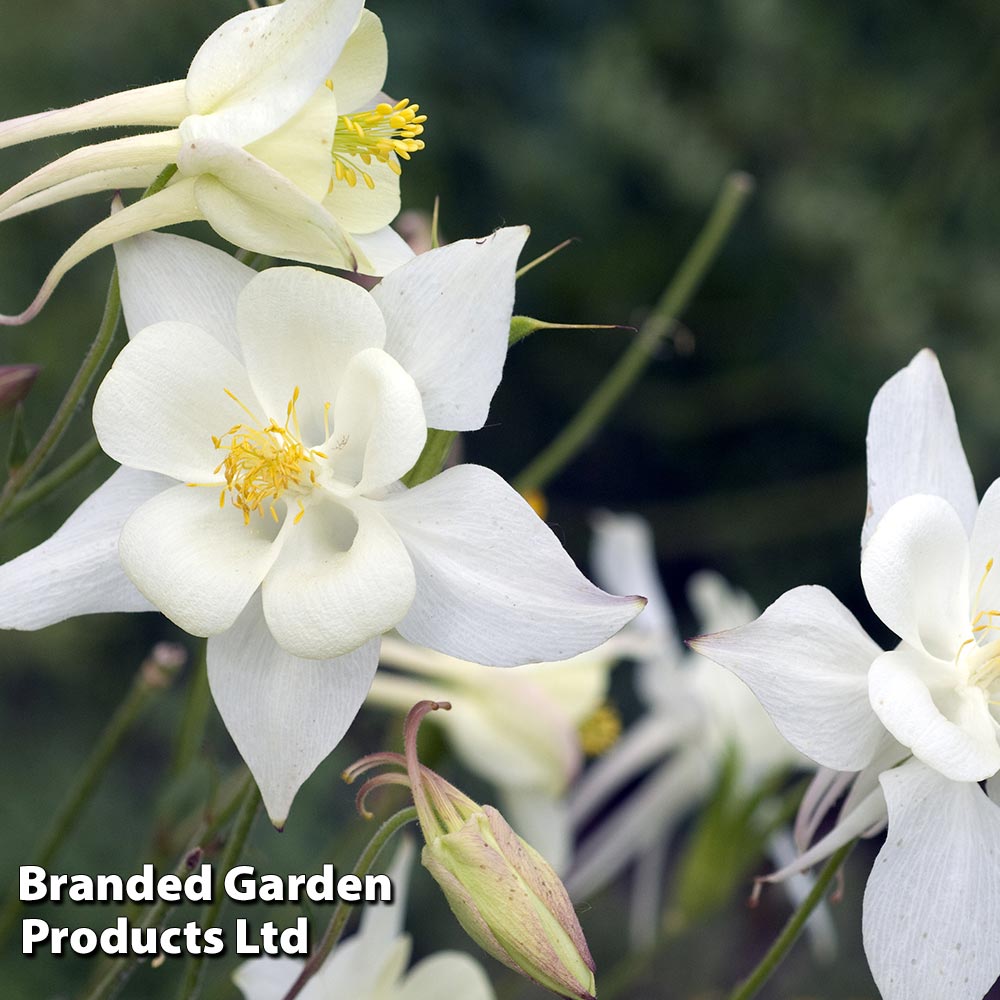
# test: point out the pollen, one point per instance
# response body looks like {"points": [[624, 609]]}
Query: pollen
{"points": [[600, 730], [264, 461], [386, 132]]}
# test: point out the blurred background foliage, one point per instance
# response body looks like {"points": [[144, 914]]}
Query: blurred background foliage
{"points": [[872, 131]]}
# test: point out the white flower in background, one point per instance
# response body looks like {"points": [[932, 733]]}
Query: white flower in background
{"points": [[526, 730], [371, 965], [932, 905], [282, 140], [263, 422], [697, 713]]}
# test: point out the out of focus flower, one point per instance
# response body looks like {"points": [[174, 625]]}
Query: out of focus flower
{"points": [[503, 892], [371, 965], [281, 137], [932, 905], [263, 422], [15, 384]]}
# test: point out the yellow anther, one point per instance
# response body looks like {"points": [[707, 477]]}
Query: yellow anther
{"points": [[600, 731], [537, 502], [384, 133]]}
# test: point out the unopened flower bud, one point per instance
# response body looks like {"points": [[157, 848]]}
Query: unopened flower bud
{"points": [[15, 383], [503, 892]]}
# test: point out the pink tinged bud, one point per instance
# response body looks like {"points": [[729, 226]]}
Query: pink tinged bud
{"points": [[15, 383]]}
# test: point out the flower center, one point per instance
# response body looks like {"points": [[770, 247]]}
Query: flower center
{"points": [[266, 461], [600, 731], [375, 134], [980, 658]]}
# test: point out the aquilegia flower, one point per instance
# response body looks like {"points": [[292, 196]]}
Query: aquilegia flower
{"points": [[281, 137], [371, 965], [263, 422], [932, 905]]}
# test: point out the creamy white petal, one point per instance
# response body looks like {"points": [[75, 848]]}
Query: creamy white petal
{"points": [[254, 206], [172, 205], [361, 209], [984, 560], [806, 658], [932, 904], [77, 570], [165, 397], [195, 562], [166, 277], [947, 726], [446, 974], [98, 180], [270, 978], [359, 71], [447, 315], [380, 252], [343, 578], [378, 423], [542, 820], [160, 104], [915, 570], [284, 714], [493, 583], [913, 445], [258, 68], [299, 328]]}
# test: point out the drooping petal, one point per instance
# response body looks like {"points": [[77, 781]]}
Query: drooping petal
{"points": [[195, 562], [254, 206], [269, 978], [361, 209], [165, 277], [913, 445], [447, 315], [359, 72], [160, 104], [77, 570], [446, 974], [343, 578], [299, 328], [378, 423], [984, 561], [493, 583], [98, 180], [949, 727], [165, 397], [915, 569], [172, 205], [380, 252], [932, 904], [806, 658], [284, 714], [258, 68]]}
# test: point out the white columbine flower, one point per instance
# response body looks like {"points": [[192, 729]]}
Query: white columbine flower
{"points": [[263, 422], [371, 965], [932, 905], [282, 140], [526, 730]]}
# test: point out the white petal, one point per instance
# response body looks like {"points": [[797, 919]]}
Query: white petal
{"points": [[447, 315], [378, 423], [807, 659], [380, 252], [493, 583], [299, 329], [947, 726], [542, 820], [161, 104], [446, 974], [254, 206], [359, 71], [623, 556], [913, 444], [932, 904], [915, 569], [166, 277], [256, 70], [165, 397], [269, 978], [343, 578], [77, 570], [984, 559], [197, 564], [361, 209], [284, 714]]}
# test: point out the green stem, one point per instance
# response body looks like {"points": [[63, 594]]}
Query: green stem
{"points": [[78, 461], [343, 911], [770, 962], [193, 719], [151, 678], [81, 381], [660, 324], [195, 971]]}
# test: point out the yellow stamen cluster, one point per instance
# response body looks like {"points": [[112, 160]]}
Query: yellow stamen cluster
{"points": [[264, 462], [377, 134], [600, 731], [986, 672]]}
